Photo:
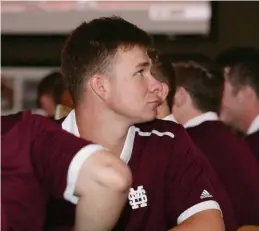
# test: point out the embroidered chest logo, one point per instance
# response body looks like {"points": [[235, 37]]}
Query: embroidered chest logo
{"points": [[137, 198]]}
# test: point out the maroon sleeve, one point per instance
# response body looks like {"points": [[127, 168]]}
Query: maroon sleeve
{"points": [[189, 189], [57, 157], [4, 225]]}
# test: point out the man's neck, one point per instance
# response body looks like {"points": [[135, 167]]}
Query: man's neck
{"points": [[163, 111], [101, 127], [188, 115], [247, 119]]}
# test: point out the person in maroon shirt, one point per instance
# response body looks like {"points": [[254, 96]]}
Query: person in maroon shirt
{"points": [[240, 102], [39, 161], [163, 70], [107, 69], [196, 103]]}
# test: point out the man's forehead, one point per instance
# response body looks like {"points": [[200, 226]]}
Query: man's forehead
{"points": [[135, 54]]}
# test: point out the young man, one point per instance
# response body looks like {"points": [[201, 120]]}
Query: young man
{"points": [[50, 90], [40, 161], [53, 96], [240, 103], [107, 68], [196, 103], [163, 71]]}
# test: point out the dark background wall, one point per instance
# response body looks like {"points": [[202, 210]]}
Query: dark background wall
{"points": [[237, 23]]}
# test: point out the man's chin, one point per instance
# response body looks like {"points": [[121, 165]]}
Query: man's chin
{"points": [[151, 117], [147, 118]]}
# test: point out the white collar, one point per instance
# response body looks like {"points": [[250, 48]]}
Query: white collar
{"points": [[254, 126], [170, 118], [208, 116], [69, 125]]}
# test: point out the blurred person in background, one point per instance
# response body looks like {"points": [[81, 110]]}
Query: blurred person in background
{"points": [[7, 96], [163, 70], [240, 101], [196, 104], [53, 96]]}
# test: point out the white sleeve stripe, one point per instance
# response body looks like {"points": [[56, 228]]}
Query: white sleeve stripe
{"points": [[197, 208], [74, 168]]}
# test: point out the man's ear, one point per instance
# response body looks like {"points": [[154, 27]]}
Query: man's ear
{"points": [[98, 84], [180, 97], [165, 91]]}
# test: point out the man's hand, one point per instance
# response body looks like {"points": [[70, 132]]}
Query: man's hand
{"points": [[102, 187]]}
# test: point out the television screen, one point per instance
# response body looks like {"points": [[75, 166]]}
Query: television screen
{"points": [[170, 18]]}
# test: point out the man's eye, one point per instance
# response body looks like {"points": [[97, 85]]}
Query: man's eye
{"points": [[141, 72]]}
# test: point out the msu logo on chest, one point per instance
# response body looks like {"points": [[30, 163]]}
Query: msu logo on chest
{"points": [[137, 198]]}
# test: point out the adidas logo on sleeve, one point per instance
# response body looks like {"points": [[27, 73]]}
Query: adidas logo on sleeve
{"points": [[205, 194]]}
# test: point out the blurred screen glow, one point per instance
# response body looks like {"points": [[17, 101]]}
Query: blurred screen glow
{"points": [[60, 17]]}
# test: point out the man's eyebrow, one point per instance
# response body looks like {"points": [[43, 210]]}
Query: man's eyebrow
{"points": [[143, 64]]}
